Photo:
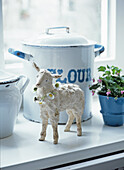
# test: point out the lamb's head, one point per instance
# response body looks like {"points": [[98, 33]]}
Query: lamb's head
{"points": [[44, 77]]}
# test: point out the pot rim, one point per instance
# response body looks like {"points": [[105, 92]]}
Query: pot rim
{"points": [[111, 97], [8, 78], [58, 46], [9, 81], [112, 114]]}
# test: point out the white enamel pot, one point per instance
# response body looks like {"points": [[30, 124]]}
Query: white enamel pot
{"points": [[63, 53], [10, 101]]}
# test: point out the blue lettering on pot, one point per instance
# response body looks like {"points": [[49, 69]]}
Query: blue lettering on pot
{"points": [[60, 71], [81, 75], [88, 71], [71, 73], [53, 71]]}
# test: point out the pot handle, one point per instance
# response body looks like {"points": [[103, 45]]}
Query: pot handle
{"points": [[22, 89], [20, 54], [98, 49], [51, 28]]}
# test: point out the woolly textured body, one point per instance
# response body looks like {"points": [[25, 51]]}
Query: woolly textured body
{"points": [[68, 96], [53, 99]]}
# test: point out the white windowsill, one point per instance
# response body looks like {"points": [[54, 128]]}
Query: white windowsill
{"points": [[22, 150]]}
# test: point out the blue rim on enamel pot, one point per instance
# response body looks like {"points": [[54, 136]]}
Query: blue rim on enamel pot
{"points": [[65, 53]]}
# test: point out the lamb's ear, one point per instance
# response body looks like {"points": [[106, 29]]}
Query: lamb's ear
{"points": [[36, 67], [56, 76]]}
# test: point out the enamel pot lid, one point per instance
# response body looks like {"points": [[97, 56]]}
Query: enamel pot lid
{"points": [[7, 78], [58, 37]]}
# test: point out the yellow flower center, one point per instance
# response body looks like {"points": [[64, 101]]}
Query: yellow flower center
{"points": [[50, 95]]}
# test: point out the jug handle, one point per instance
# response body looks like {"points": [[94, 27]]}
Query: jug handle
{"points": [[22, 89], [98, 49]]}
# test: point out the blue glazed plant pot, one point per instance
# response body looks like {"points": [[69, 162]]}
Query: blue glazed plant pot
{"points": [[112, 110]]}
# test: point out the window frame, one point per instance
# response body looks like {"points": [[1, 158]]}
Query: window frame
{"points": [[1, 38], [114, 36]]}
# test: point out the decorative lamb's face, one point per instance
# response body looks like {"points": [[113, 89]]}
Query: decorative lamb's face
{"points": [[44, 79]]}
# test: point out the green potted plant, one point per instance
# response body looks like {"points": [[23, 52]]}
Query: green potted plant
{"points": [[110, 89]]}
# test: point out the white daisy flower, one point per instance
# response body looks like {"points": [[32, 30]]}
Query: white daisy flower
{"points": [[41, 102], [37, 101], [50, 96]]}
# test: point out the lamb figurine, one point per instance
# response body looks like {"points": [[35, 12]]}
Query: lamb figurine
{"points": [[54, 98]]}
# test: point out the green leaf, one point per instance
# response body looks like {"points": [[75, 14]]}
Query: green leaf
{"points": [[94, 86], [111, 79], [113, 71], [108, 67], [116, 98], [107, 78], [108, 72], [102, 68]]}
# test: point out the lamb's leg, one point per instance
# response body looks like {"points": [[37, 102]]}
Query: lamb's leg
{"points": [[79, 128], [70, 120], [44, 127], [55, 133], [54, 121]]}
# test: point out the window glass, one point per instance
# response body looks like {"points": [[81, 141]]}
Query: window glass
{"points": [[25, 18]]}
